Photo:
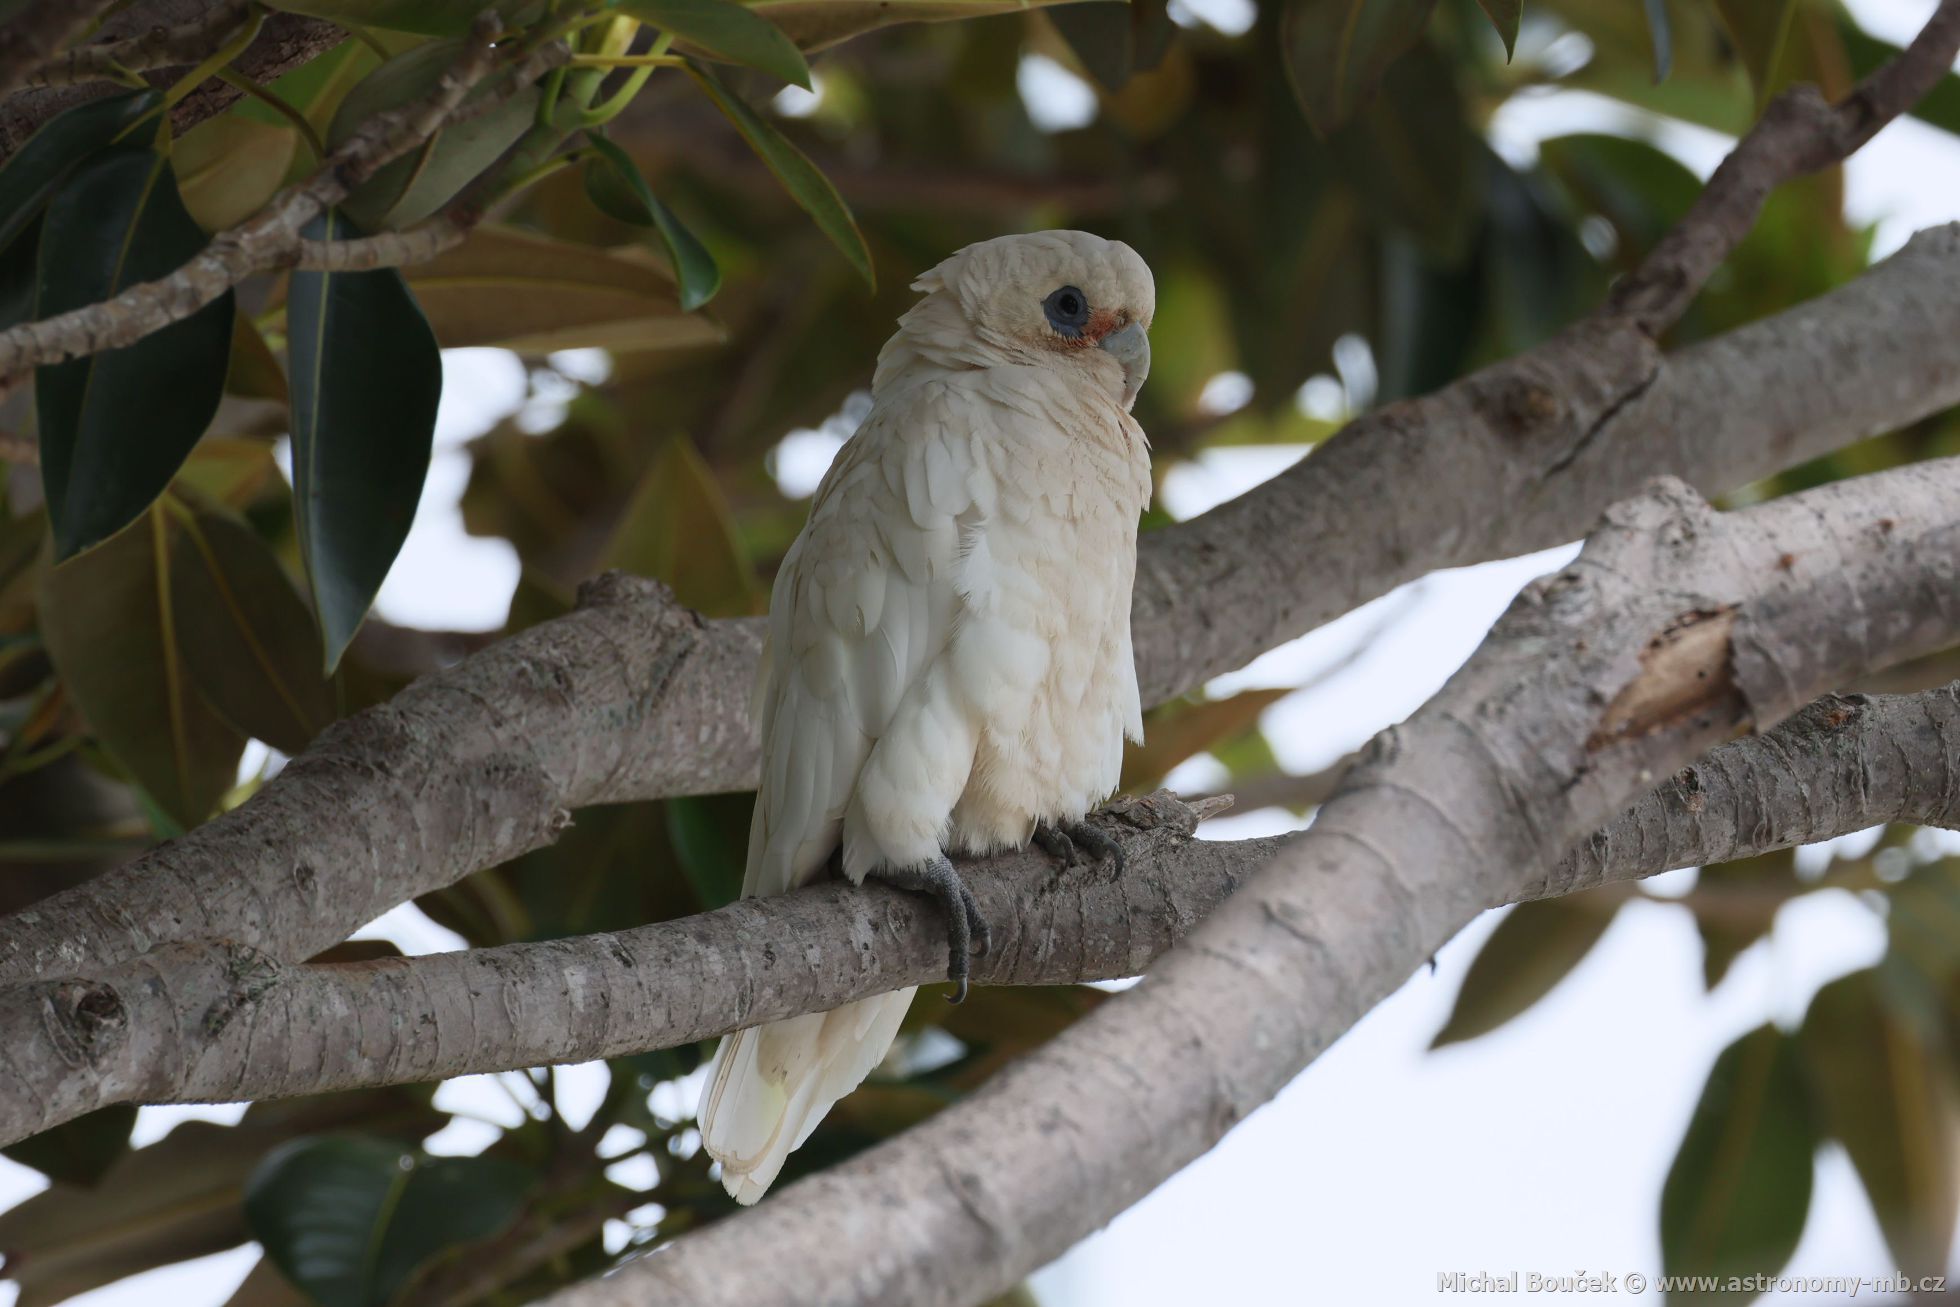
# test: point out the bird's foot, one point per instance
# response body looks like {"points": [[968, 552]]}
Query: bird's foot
{"points": [[967, 932], [1073, 843]]}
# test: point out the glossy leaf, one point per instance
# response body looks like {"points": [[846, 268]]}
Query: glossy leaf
{"points": [[1637, 187], [710, 836], [1503, 15], [728, 31], [616, 185], [1739, 1189], [78, 1153], [678, 528], [416, 185], [116, 426], [533, 294], [1663, 38], [229, 167], [1537, 945], [249, 641], [1885, 1091], [32, 172], [1761, 32], [179, 1197], [801, 178], [1113, 41], [112, 626], [428, 17], [1337, 51], [366, 376], [819, 24], [1411, 155], [351, 1219], [254, 371]]}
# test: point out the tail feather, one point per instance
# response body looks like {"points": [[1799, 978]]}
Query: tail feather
{"points": [[772, 1084]]}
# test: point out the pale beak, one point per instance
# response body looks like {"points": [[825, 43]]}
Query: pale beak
{"points": [[1131, 348]]}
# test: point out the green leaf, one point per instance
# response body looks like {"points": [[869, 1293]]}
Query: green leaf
{"points": [[1761, 32], [533, 294], [1536, 945], [679, 529], [1503, 15], [116, 426], [1111, 41], [819, 24], [1884, 1090], [1639, 188], [179, 1197], [1663, 37], [728, 31], [615, 184], [428, 17], [415, 186], [228, 167], [1735, 1198], [78, 1152], [351, 1219], [1411, 154], [110, 620], [806, 185], [1336, 51], [366, 376], [31, 174], [249, 641], [710, 836]]}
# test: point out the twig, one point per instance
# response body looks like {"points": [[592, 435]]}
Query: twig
{"points": [[160, 47], [271, 239], [26, 43], [389, 249], [1799, 133]]}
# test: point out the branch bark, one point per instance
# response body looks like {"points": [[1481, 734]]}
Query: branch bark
{"points": [[284, 43], [201, 1022], [339, 837], [46, 26], [159, 47], [1675, 627]]}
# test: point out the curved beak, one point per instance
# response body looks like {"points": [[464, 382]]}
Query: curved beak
{"points": [[1131, 348]]}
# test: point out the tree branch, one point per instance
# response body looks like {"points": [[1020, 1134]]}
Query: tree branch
{"points": [[271, 239], [159, 47], [1675, 627], [661, 697], [201, 1022], [285, 42], [26, 43]]}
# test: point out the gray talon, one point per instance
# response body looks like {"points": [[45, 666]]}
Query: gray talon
{"points": [[966, 929], [1073, 842]]}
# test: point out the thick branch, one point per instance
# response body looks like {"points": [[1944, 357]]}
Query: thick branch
{"points": [[669, 710], [248, 1026], [1596, 677]]}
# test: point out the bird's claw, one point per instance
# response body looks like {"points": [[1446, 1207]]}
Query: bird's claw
{"points": [[1072, 843], [967, 931]]}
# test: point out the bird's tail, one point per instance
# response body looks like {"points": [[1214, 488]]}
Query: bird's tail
{"points": [[771, 1085]]}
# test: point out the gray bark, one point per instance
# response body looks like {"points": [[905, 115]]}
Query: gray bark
{"points": [[1676, 627], [631, 698]]}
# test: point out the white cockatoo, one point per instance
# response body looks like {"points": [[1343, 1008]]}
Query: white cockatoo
{"points": [[948, 664]]}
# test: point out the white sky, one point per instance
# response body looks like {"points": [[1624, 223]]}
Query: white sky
{"points": [[1540, 1147]]}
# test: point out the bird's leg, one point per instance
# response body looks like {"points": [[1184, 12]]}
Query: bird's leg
{"points": [[966, 929], [1073, 842]]}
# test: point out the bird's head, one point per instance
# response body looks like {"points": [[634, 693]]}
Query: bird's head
{"points": [[1066, 299]]}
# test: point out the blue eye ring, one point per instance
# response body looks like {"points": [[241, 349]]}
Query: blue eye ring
{"points": [[1067, 310]]}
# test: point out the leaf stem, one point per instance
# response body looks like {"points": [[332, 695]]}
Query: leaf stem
{"points": [[278, 104], [247, 32]]}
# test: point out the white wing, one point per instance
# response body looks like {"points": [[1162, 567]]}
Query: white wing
{"points": [[867, 600]]}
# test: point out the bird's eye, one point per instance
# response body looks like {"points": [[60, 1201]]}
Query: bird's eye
{"points": [[1067, 310]]}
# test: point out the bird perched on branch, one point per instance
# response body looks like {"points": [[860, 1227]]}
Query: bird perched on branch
{"points": [[948, 665]]}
